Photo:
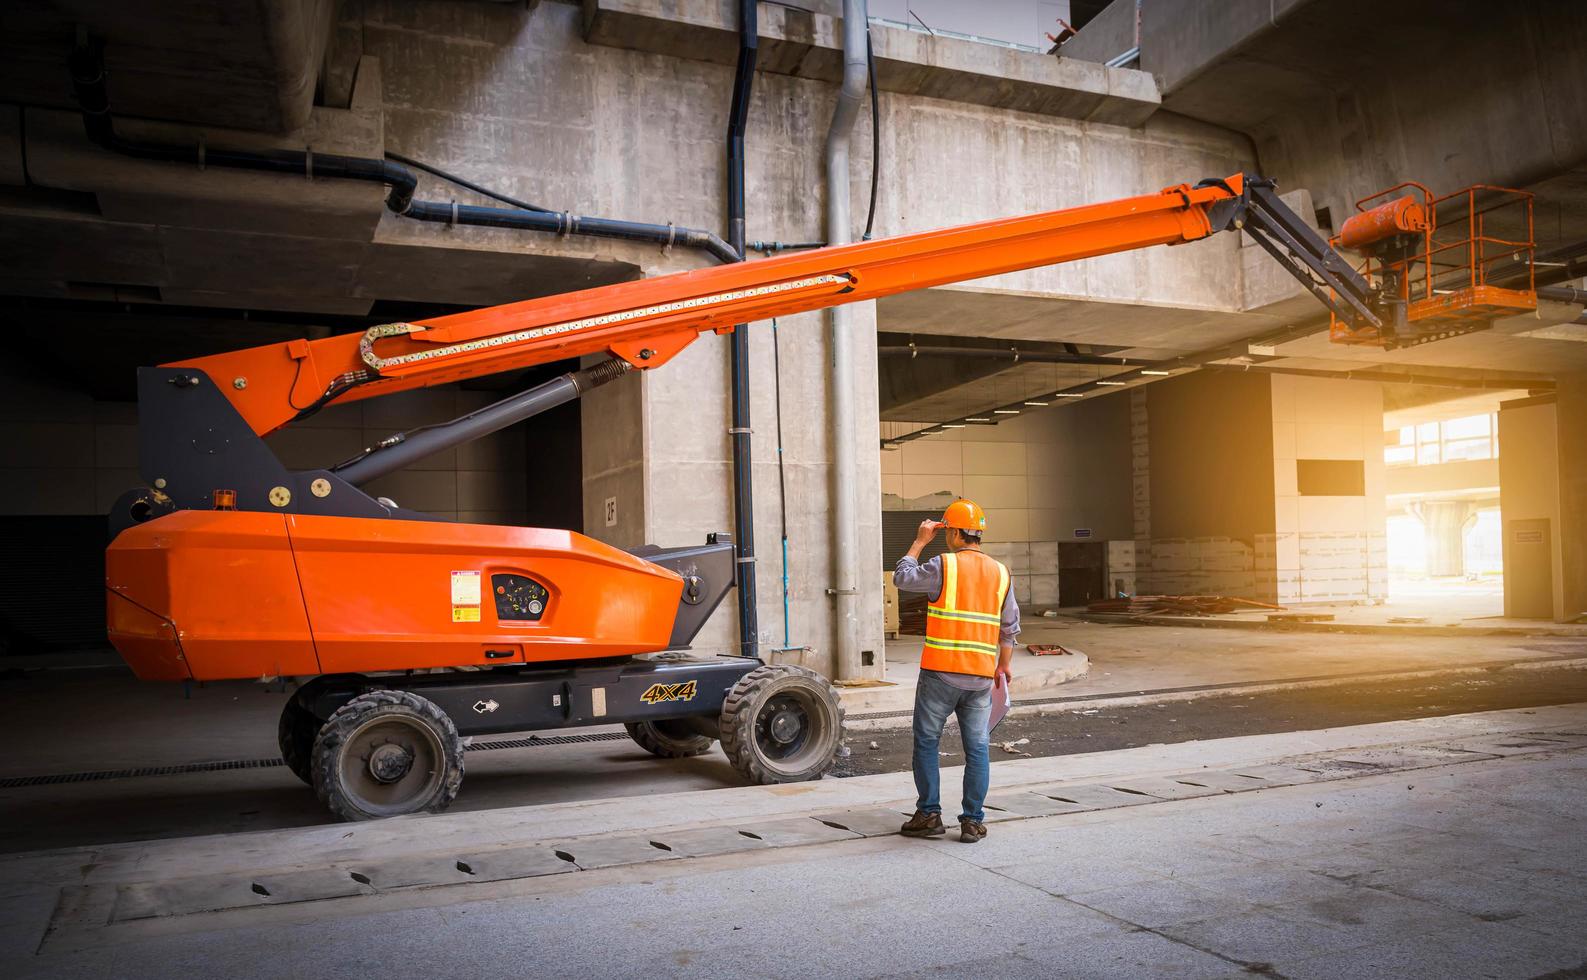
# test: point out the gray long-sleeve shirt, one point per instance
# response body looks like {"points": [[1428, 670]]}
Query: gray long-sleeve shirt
{"points": [[911, 576]]}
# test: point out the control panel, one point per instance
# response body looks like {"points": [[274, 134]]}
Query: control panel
{"points": [[519, 598]]}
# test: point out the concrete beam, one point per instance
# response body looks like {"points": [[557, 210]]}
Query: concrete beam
{"points": [[808, 44], [242, 66]]}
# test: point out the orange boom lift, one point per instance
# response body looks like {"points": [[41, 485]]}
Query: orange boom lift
{"points": [[228, 565]]}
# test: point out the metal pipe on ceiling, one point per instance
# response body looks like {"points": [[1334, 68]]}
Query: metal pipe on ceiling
{"points": [[89, 82]]}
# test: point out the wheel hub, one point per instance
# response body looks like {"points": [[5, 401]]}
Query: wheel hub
{"points": [[390, 762], [785, 726]]}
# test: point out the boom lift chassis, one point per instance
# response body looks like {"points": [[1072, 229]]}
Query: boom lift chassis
{"points": [[417, 632]]}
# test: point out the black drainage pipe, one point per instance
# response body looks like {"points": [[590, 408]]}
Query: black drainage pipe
{"points": [[566, 223], [88, 79], [743, 479]]}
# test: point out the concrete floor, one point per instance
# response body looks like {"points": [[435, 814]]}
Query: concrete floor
{"points": [[1457, 856], [89, 720]]}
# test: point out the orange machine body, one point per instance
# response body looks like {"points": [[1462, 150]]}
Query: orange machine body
{"points": [[208, 595]]}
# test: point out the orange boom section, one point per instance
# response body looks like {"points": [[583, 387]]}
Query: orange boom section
{"points": [[649, 321], [210, 595]]}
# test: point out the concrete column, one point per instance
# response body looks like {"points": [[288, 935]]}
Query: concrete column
{"points": [[656, 445], [1445, 523], [1571, 419]]}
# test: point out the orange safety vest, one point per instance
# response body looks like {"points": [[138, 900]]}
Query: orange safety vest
{"points": [[962, 623]]}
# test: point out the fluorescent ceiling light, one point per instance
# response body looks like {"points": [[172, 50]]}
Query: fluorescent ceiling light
{"points": [[1005, 411], [953, 425], [978, 420], [1038, 404], [1155, 374], [1069, 394], [1112, 384]]}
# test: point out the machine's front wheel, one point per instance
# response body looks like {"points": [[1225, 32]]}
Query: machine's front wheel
{"points": [[387, 753], [782, 724], [669, 738]]}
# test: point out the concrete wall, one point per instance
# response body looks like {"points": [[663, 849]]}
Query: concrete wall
{"points": [[1226, 515], [1211, 447], [1327, 548], [68, 453], [65, 452], [1572, 421], [1039, 476], [1529, 489]]}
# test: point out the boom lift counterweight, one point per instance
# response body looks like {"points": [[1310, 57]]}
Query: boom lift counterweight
{"points": [[228, 565]]}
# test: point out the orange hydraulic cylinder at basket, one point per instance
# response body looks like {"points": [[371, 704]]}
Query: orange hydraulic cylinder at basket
{"points": [[1401, 216]]}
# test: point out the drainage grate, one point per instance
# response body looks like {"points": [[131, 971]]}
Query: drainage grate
{"points": [[55, 779], [14, 782]]}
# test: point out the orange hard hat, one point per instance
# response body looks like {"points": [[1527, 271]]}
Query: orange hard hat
{"points": [[966, 515]]}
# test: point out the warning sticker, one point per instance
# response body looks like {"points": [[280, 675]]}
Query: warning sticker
{"points": [[465, 614], [465, 589]]}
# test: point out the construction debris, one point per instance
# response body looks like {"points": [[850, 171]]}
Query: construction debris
{"points": [[1302, 618], [1047, 650], [1010, 749], [1176, 605]]}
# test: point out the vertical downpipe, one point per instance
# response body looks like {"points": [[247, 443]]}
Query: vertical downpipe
{"points": [[840, 231], [743, 475]]}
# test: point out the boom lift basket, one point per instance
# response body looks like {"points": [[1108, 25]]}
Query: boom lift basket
{"points": [[1442, 266]]}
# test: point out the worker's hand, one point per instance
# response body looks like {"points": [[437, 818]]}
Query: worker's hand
{"points": [[1006, 675], [928, 530]]}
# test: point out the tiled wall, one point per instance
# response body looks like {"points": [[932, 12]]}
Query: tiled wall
{"points": [[1039, 476], [1327, 549], [66, 453]]}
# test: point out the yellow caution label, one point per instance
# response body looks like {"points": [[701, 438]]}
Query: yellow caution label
{"points": [[465, 614]]}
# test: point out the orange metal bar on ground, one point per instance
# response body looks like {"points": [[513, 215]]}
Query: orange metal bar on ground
{"points": [[648, 321]]}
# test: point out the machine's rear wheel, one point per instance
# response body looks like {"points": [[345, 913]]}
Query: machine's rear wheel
{"points": [[668, 738], [387, 753], [295, 734], [782, 724]]}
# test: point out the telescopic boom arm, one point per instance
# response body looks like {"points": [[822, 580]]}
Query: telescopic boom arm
{"points": [[645, 323], [200, 445]]}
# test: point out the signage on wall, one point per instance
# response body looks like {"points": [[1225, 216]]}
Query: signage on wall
{"points": [[1529, 537], [1082, 532]]}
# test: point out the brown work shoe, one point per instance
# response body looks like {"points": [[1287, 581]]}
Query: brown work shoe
{"points": [[971, 831], [923, 824]]}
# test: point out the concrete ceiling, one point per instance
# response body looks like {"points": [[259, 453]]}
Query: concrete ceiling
{"points": [[252, 65]]}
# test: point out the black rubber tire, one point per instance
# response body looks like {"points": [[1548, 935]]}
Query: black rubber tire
{"points": [[415, 721], [295, 734], [668, 738], [741, 714]]}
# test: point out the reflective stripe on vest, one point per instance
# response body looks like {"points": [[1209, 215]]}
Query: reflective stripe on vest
{"points": [[963, 622]]}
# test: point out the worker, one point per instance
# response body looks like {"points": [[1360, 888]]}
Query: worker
{"points": [[971, 622]]}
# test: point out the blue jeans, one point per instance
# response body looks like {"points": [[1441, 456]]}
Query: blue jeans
{"points": [[935, 699]]}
